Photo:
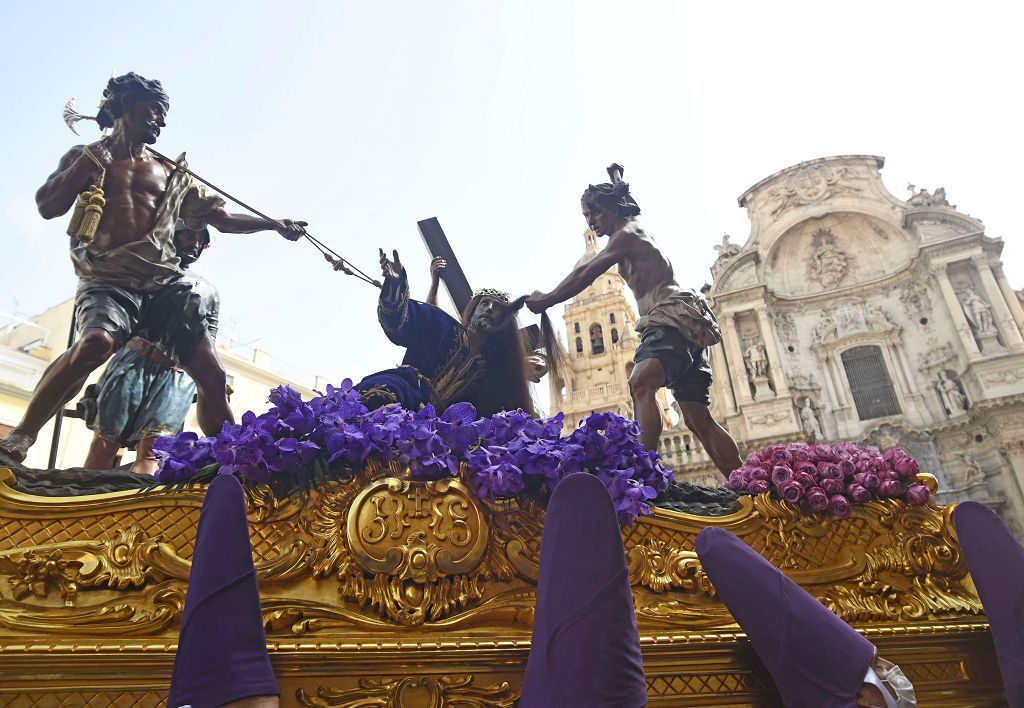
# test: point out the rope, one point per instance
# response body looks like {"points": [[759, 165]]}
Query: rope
{"points": [[334, 258]]}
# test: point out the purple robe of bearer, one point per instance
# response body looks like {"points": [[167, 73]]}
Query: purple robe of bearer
{"points": [[996, 562], [815, 658], [222, 649], [586, 648]]}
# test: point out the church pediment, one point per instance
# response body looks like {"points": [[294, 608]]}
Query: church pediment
{"points": [[835, 251]]}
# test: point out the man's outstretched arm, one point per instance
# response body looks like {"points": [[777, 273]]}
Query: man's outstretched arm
{"points": [[228, 223], [583, 275]]}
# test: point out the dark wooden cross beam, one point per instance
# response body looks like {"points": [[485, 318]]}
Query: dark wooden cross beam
{"points": [[454, 278]]}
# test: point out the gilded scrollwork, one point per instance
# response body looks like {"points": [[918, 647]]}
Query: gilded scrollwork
{"points": [[657, 566], [424, 691], [36, 572]]}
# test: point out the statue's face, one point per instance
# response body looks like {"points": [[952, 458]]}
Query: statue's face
{"points": [[487, 316], [144, 119], [600, 221], [189, 245]]}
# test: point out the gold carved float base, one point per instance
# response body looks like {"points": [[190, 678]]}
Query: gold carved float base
{"points": [[385, 591]]}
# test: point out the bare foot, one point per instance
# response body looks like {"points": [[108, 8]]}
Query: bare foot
{"points": [[147, 465], [16, 445]]}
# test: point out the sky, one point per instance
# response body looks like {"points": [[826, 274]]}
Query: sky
{"points": [[363, 118]]}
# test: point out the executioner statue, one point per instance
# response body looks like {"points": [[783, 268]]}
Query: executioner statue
{"points": [[480, 359], [127, 200], [676, 325]]}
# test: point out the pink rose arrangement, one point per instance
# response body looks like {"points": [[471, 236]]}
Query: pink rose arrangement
{"points": [[830, 477]]}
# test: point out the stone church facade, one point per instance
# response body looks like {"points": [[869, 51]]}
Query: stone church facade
{"points": [[852, 315]]}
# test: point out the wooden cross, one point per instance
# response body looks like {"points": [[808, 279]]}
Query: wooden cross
{"points": [[454, 278]]}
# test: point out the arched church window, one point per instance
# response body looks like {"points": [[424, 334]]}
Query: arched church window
{"points": [[611, 317], [576, 328], [596, 339], [579, 345], [615, 336], [870, 384]]}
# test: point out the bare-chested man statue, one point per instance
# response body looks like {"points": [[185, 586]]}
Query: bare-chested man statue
{"points": [[676, 325], [130, 268]]}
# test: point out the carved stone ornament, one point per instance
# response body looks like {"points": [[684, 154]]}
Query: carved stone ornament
{"points": [[972, 473], [1009, 376], [786, 328], [915, 299], [726, 249], [851, 318], [770, 418], [828, 264], [936, 355], [924, 198], [810, 184]]}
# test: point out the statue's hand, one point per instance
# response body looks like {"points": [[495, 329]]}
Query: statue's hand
{"points": [[537, 302], [292, 230], [390, 269], [436, 267], [537, 366]]}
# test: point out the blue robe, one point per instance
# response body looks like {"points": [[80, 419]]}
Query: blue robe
{"points": [[439, 365]]}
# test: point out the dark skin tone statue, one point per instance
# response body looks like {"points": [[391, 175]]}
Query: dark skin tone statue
{"points": [[134, 186]]}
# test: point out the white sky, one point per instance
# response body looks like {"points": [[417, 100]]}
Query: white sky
{"points": [[363, 118]]}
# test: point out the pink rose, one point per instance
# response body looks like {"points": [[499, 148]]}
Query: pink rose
{"points": [[781, 456], [906, 467], [829, 470], [893, 454], [791, 491], [760, 473], [847, 467], [918, 494], [822, 452], [806, 468], [780, 474], [863, 466], [734, 483], [753, 460], [817, 498], [804, 480], [801, 454], [889, 488], [868, 480], [757, 486], [839, 505], [859, 494], [832, 486]]}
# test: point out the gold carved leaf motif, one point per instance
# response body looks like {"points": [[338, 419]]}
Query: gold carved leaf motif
{"points": [[419, 691]]}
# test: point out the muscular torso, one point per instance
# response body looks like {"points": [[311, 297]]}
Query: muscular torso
{"points": [[644, 267], [133, 189]]}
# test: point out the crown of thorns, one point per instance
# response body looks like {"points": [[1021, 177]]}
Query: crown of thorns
{"points": [[494, 294]]}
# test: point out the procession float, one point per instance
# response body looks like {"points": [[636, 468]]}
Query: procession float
{"points": [[398, 556]]}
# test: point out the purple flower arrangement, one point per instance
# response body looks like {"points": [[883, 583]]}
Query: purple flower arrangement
{"points": [[505, 454], [830, 477]]}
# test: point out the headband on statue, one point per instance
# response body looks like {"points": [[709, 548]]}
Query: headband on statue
{"points": [[494, 294]]}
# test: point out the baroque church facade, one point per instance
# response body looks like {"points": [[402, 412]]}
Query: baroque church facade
{"points": [[852, 315]]}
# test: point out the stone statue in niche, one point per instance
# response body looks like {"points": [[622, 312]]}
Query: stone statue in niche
{"points": [[726, 250], [951, 393], [978, 311], [828, 263], [756, 358], [809, 420]]}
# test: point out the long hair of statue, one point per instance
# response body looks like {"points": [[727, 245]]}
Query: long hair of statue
{"points": [[506, 358]]}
